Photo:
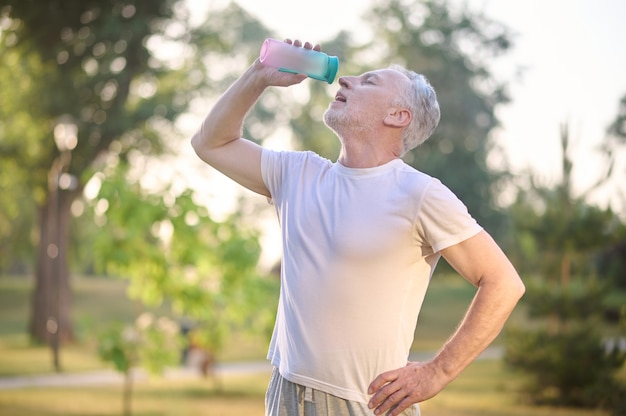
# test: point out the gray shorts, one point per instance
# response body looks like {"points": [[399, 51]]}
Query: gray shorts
{"points": [[285, 398]]}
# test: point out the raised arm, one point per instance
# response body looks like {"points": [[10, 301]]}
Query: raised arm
{"points": [[218, 142], [479, 260]]}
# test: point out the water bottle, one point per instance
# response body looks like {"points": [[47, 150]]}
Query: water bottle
{"points": [[298, 60]]}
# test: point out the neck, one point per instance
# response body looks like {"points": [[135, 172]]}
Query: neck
{"points": [[364, 155], [368, 148]]}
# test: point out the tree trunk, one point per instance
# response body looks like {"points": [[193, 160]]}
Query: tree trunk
{"points": [[50, 317], [127, 395]]}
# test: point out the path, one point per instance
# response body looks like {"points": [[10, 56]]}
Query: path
{"points": [[112, 377]]}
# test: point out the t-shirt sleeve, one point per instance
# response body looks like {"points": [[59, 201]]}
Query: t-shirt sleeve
{"points": [[271, 171], [281, 170], [443, 220]]}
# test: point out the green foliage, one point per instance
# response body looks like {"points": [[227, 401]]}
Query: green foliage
{"points": [[18, 155], [611, 262], [567, 358], [549, 224], [118, 349], [98, 65], [571, 368], [579, 301], [88, 63], [618, 127], [152, 343], [169, 247]]}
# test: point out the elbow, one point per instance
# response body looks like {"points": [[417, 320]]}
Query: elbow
{"points": [[195, 142], [202, 138], [510, 287], [518, 288], [514, 285], [521, 289], [199, 145]]}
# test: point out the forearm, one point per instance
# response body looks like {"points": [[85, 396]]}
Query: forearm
{"points": [[224, 122], [396, 390], [485, 318], [218, 142]]}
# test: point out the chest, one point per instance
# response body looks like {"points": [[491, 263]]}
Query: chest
{"points": [[354, 219]]}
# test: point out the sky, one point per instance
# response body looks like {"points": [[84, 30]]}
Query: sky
{"points": [[574, 70]]}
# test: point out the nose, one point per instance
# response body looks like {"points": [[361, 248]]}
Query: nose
{"points": [[345, 81]]}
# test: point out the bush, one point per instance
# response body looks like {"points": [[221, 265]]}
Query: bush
{"points": [[573, 367], [151, 343]]}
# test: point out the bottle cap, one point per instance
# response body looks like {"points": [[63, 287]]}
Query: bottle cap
{"points": [[331, 71]]}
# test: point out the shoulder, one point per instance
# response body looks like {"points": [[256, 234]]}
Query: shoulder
{"points": [[289, 160], [294, 156], [417, 183], [429, 186]]}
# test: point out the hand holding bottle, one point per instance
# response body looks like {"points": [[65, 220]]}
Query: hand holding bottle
{"points": [[291, 57]]}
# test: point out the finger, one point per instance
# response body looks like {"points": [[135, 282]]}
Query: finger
{"points": [[289, 41], [386, 397], [297, 42], [401, 407], [390, 402], [317, 47], [381, 380]]}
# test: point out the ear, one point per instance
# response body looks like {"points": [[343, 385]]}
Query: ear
{"points": [[398, 117]]}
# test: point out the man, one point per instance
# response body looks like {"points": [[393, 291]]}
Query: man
{"points": [[361, 238]]}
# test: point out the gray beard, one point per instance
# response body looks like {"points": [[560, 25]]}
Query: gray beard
{"points": [[343, 125]]}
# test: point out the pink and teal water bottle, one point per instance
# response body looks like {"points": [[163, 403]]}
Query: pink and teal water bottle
{"points": [[297, 60]]}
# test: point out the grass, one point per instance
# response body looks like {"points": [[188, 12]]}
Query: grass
{"points": [[100, 301], [239, 396], [97, 302], [486, 388], [446, 301]]}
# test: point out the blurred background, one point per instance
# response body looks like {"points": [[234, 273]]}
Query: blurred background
{"points": [[127, 262]]}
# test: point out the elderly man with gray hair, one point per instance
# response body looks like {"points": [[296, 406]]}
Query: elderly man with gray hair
{"points": [[361, 238]]}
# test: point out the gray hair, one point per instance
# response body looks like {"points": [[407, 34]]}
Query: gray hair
{"points": [[421, 100]]}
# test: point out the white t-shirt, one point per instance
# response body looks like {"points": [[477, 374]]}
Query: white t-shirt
{"points": [[359, 248]]}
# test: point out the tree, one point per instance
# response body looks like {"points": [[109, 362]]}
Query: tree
{"points": [[618, 127], [85, 73], [89, 83], [560, 235], [168, 247], [153, 343], [613, 260]]}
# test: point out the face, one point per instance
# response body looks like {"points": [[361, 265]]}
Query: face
{"points": [[363, 101]]}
